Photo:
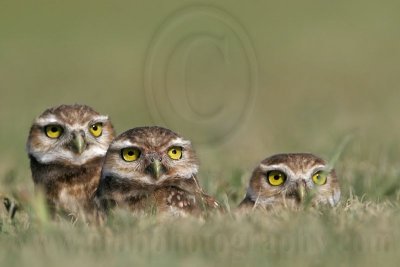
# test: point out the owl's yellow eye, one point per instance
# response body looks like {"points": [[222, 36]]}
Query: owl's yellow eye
{"points": [[53, 131], [96, 129], [130, 154], [319, 178], [175, 152], [276, 178]]}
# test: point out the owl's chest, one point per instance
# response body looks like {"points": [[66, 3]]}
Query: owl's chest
{"points": [[176, 202], [73, 197], [168, 200], [72, 193], [68, 188]]}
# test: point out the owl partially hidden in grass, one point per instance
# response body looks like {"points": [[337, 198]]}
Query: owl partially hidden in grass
{"points": [[289, 180], [66, 147], [152, 169]]}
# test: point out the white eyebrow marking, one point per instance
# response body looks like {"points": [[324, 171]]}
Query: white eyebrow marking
{"points": [[280, 167], [100, 118], [50, 119], [266, 168], [179, 142], [320, 168], [123, 143]]}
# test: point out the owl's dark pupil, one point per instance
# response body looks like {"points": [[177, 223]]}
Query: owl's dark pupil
{"points": [[54, 129], [276, 177], [130, 153], [94, 127], [173, 151]]}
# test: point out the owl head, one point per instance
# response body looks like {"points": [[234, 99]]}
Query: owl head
{"points": [[290, 179], [150, 156], [69, 134]]}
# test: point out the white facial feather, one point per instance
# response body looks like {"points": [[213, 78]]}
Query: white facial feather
{"points": [[68, 156], [52, 119], [120, 144], [179, 142], [49, 119]]}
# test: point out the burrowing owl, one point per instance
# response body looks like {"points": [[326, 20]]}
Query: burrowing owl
{"points": [[152, 167], [66, 147], [290, 179]]}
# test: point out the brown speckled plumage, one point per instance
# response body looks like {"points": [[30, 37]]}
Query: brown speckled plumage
{"points": [[68, 178], [131, 186]]}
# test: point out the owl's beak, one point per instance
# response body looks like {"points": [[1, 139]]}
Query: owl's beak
{"points": [[301, 192], [155, 168], [78, 143]]}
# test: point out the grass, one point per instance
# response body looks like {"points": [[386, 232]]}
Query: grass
{"points": [[325, 71], [358, 232]]}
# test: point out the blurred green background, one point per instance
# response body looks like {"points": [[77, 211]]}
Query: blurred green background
{"points": [[324, 71], [243, 80]]}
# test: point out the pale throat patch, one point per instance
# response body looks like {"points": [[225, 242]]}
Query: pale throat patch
{"points": [[69, 156]]}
